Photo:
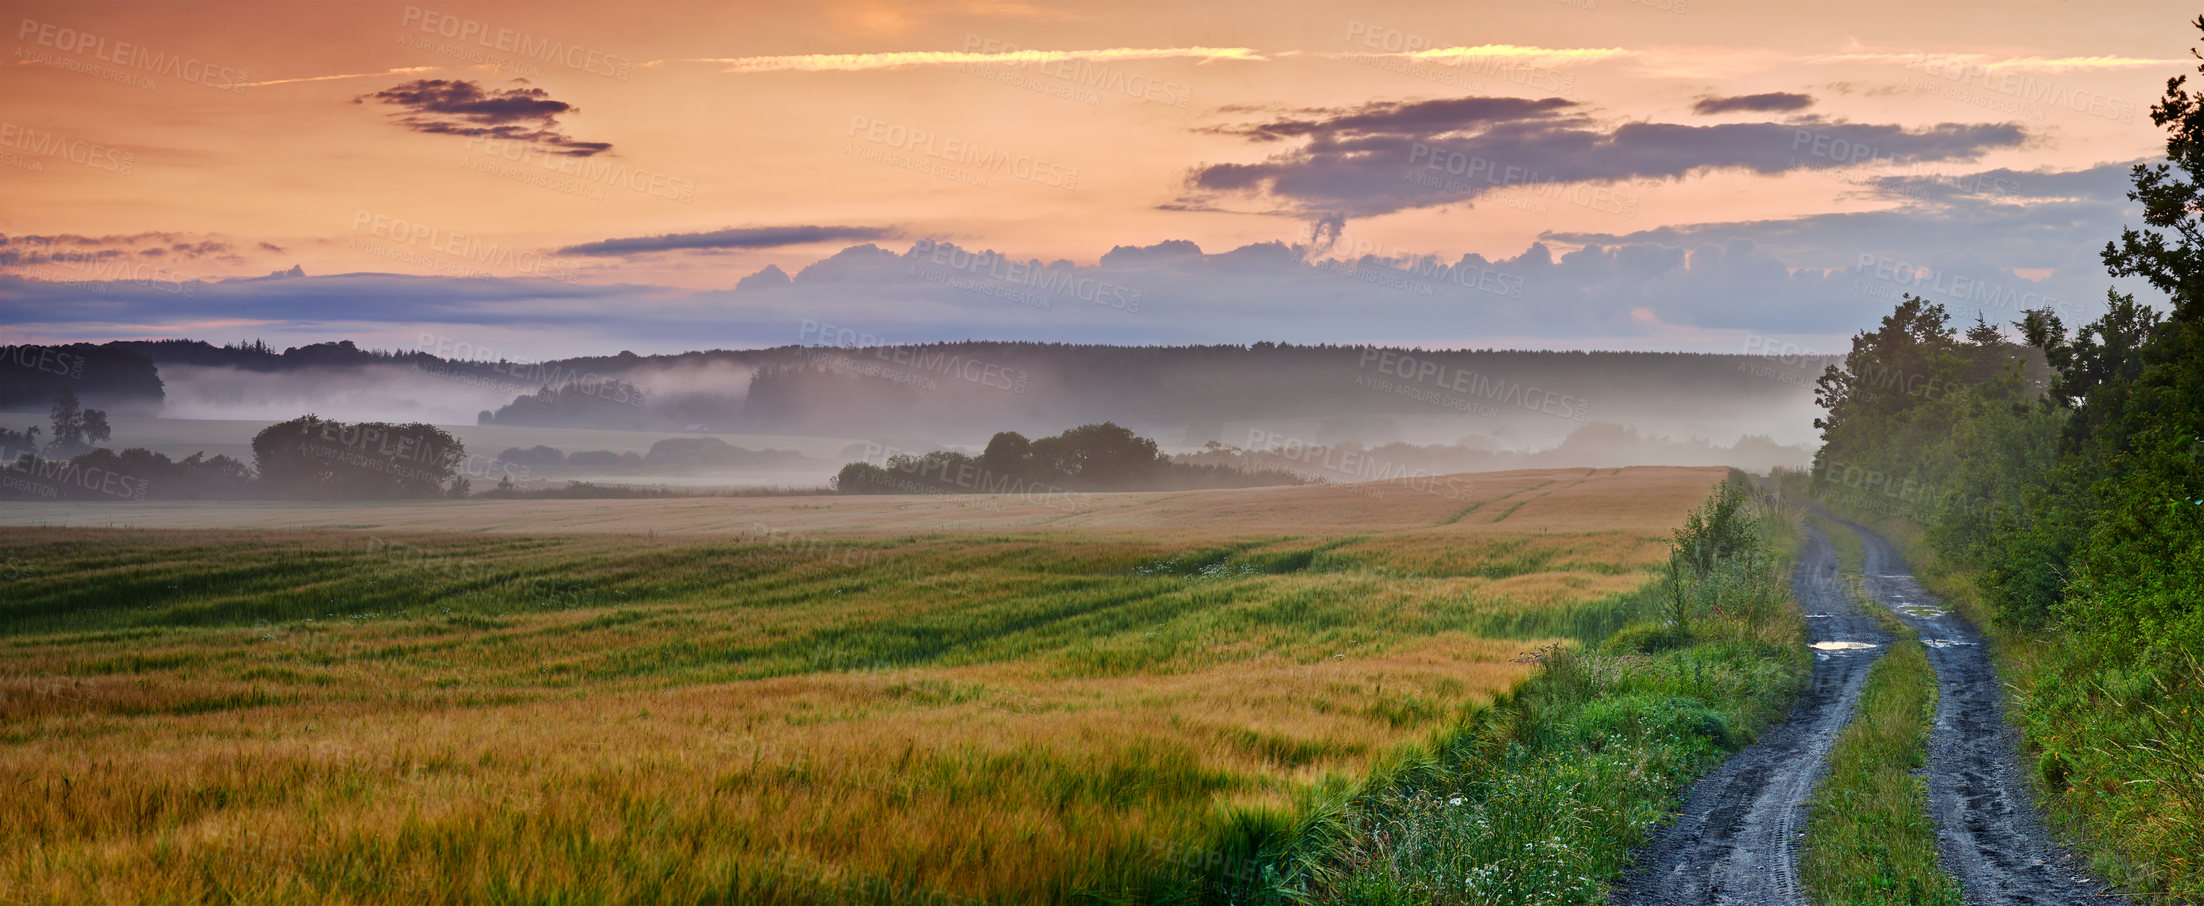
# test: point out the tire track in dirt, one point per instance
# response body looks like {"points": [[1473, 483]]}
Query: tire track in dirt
{"points": [[1988, 831], [1737, 838]]}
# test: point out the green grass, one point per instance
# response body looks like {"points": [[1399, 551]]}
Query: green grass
{"points": [[1543, 798], [1869, 840], [2114, 749], [1556, 791]]}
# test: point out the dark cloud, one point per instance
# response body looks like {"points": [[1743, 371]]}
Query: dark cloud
{"points": [[73, 248], [733, 238], [2026, 219], [1400, 118], [1388, 156], [462, 107], [772, 277], [292, 297], [2105, 182], [1772, 102]]}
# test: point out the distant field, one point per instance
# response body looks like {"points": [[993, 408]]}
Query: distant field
{"points": [[761, 699], [1527, 500]]}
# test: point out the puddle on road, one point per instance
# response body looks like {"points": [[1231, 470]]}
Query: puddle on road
{"points": [[1821, 616], [1842, 646], [1944, 643], [1918, 611]]}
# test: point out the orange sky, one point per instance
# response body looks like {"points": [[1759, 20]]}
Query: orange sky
{"points": [[738, 115]]}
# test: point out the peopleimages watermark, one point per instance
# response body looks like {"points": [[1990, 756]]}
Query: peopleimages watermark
{"points": [[1336, 462], [100, 272], [1392, 50], [72, 64], [927, 361], [1960, 72], [1844, 152], [828, 550], [106, 269], [1396, 268], [28, 472], [982, 286], [930, 475], [590, 173], [1431, 165], [45, 359], [405, 456], [1871, 487], [1784, 361], [1900, 278], [55, 146], [137, 57], [1428, 380], [955, 159], [410, 235], [1207, 862], [1917, 180], [530, 375], [1029, 274], [479, 576], [1084, 81], [520, 44]]}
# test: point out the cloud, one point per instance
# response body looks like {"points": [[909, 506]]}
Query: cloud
{"points": [[301, 301], [1987, 63], [402, 70], [733, 238], [1510, 54], [462, 107], [2032, 242], [1393, 118], [908, 59], [1388, 156], [75, 249], [1772, 102], [1995, 240]]}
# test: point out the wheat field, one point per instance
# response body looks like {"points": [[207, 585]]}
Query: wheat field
{"points": [[788, 700]]}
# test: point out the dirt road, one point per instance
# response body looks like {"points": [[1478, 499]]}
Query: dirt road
{"points": [[1737, 839], [1988, 831]]}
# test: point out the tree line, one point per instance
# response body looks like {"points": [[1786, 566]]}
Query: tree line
{"points": [[2064, 473], [304, 458], [1096, 457]]}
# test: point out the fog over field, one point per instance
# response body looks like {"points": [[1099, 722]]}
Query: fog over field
{"points": [[1434, 411]]}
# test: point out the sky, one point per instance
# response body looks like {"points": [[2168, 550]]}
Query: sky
{"points": [[530, 180]]}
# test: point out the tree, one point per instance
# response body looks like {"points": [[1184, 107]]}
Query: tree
{"points": [[95, 427], [14, 445], [1008, 453], [313, 457], [2105, 353], [2170, 203], [76, 429], [1098, 456], [68, 422], [2116, 530], [1886, 367]]}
